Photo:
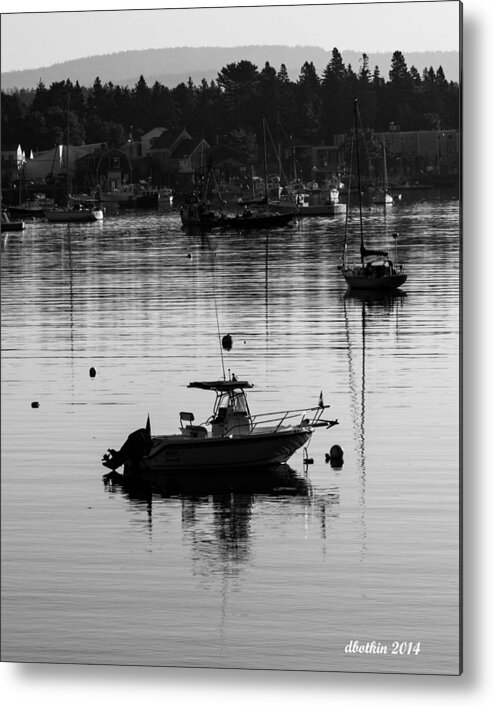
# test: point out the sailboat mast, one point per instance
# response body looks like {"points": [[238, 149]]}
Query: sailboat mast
{"points": [[358, 180], [67, 178], [265, 160]]}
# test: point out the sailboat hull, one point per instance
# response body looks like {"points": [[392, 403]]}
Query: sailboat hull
{"points": [[73, 216], [268, 220], [364, 282]]}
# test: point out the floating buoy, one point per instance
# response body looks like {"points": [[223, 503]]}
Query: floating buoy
{"points": [[189, 255], [226, 342], [35, 404], [92, 372], [336, 452], [335, 456]]}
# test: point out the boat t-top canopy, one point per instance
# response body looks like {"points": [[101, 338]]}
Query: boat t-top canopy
{"points": [[221, 385]]}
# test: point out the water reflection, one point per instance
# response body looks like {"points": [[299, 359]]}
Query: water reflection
{"points": [[363, 305], [217, 509]]}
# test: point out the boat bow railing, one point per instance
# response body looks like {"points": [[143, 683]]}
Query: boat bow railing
{"points": [[305, 418]]}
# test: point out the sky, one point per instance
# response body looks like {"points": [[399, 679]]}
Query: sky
{"points": [[31, 39]]}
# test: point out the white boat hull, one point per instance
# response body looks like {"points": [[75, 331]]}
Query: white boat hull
{"points": [[174, 452]]}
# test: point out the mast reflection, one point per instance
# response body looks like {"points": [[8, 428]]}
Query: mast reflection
{"points": [[365, 304]]}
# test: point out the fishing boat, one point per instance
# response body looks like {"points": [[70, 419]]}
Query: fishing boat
{"points": [[230, 439], [196, 211], [375, 270]]}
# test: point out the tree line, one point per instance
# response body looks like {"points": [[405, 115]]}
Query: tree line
{"points": [[230, 109]]}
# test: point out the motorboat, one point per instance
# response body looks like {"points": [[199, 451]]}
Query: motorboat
{"points": [[230, 439], [375, 270]]}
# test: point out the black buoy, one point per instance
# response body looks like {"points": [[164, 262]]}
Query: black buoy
{"points": [[35, 404], [336, 452], [226, 342], [92, 372], [189, 255], [335, 456]]}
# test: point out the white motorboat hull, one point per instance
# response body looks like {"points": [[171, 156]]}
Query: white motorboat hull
{"points": [[174, 452]]}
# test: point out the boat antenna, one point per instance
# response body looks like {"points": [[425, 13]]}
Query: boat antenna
{"points": [[216, 314], [356, 126]]}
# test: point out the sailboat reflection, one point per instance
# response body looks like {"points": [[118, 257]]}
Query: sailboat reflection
{"points": [[364, 303]]}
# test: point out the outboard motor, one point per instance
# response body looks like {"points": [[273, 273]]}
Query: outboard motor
{"points": [[136, 446]]}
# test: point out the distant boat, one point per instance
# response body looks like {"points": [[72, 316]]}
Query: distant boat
{"points": [[196, 211], [72, 212], [382, 195], [303, 204], [76, 213], [138, 195], [375, 271], [231, 439], [258, 219], [33, 208], [261, 217], [8, 225]]}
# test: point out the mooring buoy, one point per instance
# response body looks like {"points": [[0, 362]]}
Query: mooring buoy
{"points": [[336, 452], [226, 342], [35, 404], [92, 372]]}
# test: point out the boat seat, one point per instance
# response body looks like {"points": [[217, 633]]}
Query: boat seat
{"points": [[186, 417], [191, 430]]}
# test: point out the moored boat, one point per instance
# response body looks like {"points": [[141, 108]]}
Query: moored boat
{"points": [[231, 438], [304, 204], [8, 225], [76, 213], [375, 270], [258, 219]]}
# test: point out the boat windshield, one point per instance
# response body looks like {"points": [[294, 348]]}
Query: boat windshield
{"points": [[233, 399]]}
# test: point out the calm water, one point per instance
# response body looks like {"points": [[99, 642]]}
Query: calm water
{"points": [[280, 573]]}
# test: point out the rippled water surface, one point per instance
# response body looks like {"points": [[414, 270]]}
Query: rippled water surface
{"points": [[280, 572]]}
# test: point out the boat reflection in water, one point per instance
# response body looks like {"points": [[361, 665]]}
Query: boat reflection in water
{"points": [[217, 510], [365, 303]]}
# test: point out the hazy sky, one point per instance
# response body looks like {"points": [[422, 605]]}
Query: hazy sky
{"points": [[33, 39]]}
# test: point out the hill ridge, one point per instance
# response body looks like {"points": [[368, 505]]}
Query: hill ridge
{"points": [[173, 65]]}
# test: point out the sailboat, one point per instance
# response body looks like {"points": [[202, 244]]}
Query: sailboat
{"points": [[382, 195], [260, 218], [72, 212], [375, 270]]}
